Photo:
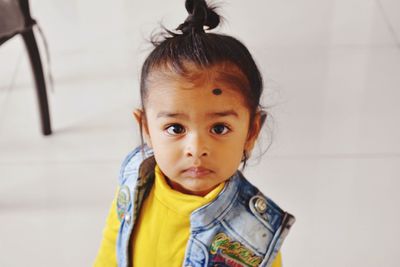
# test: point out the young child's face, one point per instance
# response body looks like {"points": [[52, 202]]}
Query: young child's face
{"points": [[198, 134]]}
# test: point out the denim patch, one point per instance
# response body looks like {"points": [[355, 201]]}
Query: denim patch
{"points": [[123, 202], [226, 252]]}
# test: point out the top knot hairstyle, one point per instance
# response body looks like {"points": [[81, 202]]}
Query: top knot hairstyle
{"points": [[192, 43], [200, 15]]}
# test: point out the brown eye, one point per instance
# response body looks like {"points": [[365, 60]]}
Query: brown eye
{"points": [[220, 129], [175, 129]]}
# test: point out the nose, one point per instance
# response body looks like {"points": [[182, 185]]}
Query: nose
{"points": [[197, 147]]}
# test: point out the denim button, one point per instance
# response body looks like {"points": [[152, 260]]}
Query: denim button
{"points": [[260, 205]]}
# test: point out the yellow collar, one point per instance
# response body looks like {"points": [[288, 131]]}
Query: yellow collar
{"points": [[179, 202]]}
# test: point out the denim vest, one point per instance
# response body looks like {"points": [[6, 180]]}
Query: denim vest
{"points": [[240, 227]]}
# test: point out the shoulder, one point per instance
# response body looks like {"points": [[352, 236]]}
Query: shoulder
{"points": [[263, 208], [131, 177], [255, 219]]}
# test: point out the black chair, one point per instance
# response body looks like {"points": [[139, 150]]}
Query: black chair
{"points": [[15, 18]]}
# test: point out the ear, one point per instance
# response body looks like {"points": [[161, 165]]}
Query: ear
{"points": [[141, 120], [254, 130]]}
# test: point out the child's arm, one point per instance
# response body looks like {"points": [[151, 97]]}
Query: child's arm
{"points": [[106, 257]]}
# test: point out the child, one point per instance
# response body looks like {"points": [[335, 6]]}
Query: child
{"points": [[181, 199]]}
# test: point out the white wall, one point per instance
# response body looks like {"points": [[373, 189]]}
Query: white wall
{"points": [[332, 72]]}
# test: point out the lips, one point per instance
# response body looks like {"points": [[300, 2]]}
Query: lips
{"points": [[197, 172]]}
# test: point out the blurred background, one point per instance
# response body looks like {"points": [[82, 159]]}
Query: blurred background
{"points": [[332, 74]]}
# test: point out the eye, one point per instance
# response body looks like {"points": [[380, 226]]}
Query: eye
{"points": [[175, 129], [220, 129]]}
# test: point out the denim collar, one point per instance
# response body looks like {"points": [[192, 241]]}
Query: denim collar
{"points": [[210, 214]]}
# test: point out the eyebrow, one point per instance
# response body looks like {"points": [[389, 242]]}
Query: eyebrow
{"points": [[166, 114]]}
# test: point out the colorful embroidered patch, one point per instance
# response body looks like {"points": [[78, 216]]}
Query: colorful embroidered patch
{"points": [[123, 202], [232, 253]]}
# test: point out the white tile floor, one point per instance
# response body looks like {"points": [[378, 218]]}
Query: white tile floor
{"points": [[332, 70]]}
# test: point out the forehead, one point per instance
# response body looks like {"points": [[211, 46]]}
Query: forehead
{"points": [[224, 76]]}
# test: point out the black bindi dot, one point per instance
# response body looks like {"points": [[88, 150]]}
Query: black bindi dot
{"points": [[217, 91]]}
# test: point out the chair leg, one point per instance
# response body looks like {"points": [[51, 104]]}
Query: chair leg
{"points": [[36, 64]]}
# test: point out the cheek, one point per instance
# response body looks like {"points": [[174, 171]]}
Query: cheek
{"points": [[156, 134], [237, 149], [164, 150], [232, 152]]}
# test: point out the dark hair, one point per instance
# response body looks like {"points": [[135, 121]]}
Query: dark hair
{"points": [[191, 43]]}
